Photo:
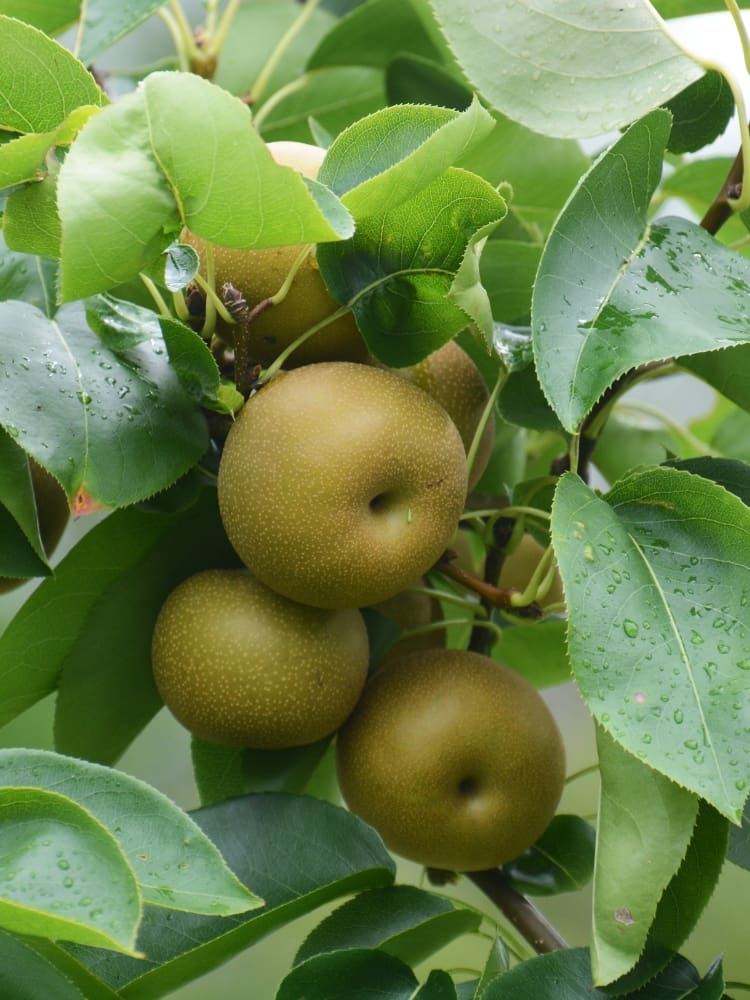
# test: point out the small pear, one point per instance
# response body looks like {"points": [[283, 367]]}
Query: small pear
{"points": [[454, 759], [340, 484], [240, 665]]}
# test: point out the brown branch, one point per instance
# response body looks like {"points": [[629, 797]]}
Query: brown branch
{"points": [[720, 210], [496, 597], [521, 912]]}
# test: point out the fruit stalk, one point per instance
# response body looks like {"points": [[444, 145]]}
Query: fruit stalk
{"points": [[520, 911]]}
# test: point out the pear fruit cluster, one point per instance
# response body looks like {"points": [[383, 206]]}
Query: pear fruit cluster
{"points": [[340, 484]]}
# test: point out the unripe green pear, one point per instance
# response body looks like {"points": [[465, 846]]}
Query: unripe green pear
{"points": [[453, 380], [340, 484], [240, 665], [455, 759], [53, 514], [259, 274]]}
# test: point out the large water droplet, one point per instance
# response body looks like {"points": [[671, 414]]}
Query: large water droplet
{"points": [[630, 628]]}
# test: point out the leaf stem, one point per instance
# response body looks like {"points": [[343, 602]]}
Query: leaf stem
{"points": [[664, 418], [583, 773], [156, 295], [218, 38], [78, 41], [447, 596], [262, 79], [183, 58], [739, 24], [277, 97], [521, 912], [496, 597], [278, 362], [486, 414]]}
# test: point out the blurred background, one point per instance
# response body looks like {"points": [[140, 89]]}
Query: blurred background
{"points": [[161, 755]]}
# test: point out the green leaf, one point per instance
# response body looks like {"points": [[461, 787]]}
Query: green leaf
{"points": [[562, 860], [223, 772], [632, 64], [403, 921], [536, 651], [40, 81], [92, 604], [103, 24], [656, 585], [298, 852], [508, 271], [683, 8], [739, 841], [174, 862], [334, 97], [729, 473], [626, 442], [355, 974], [136, 173], [566, 975], [727, 371], [645, 823], [24, 973], [65, 874], [49, 15], [398, 269], [646, 292], [498, 962], [684, 898], [413, 79], [31, 224], [700, 113], [438, 986], [22, 551], [193, 363], [89, 396], [393, 155], [372, 35], [22, 158], [25, 277]]}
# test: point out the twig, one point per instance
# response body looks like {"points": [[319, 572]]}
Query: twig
{"points": [[720, 209], [520, 911]]}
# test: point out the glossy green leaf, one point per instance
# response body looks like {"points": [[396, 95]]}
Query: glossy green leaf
{"points": [[56, 955], [65, 875], [535, 650], [738, 851], [26, 278], [104, 23], [498, 962], [136, 173], [628, 441], [27, 974], [40, 81], [732, 437], [645, 825], [566, 975], [438, 986], [174, 862], [700, 113], [518, 58], [402, 920], [392, 155], [51, 16], [335, 97], [645, 292], [371, 35], [683, 901], [65, 625], [298, 852], [413, 79], [656, 586], [562, 860], [22, 158], [727, 371], [729, 473], [135, 397], [354, 974], [508, 271], [22, 551], [31, 224], [398, 280], [223, 772]]}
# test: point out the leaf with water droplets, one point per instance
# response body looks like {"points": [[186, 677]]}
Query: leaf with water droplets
{"points": [[611, 297], [64, 874], [657, 585], [112, 428], [564, 68], [173, 862]]}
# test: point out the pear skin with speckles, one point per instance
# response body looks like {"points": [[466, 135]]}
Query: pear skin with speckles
{"points": [[453, 380], [454, 759], [340, 484], [237, 664]]}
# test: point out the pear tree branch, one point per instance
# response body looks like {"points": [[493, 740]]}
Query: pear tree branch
{"points": [[520, 911]]}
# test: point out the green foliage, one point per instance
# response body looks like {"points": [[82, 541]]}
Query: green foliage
{"points": [[454, 200]]}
